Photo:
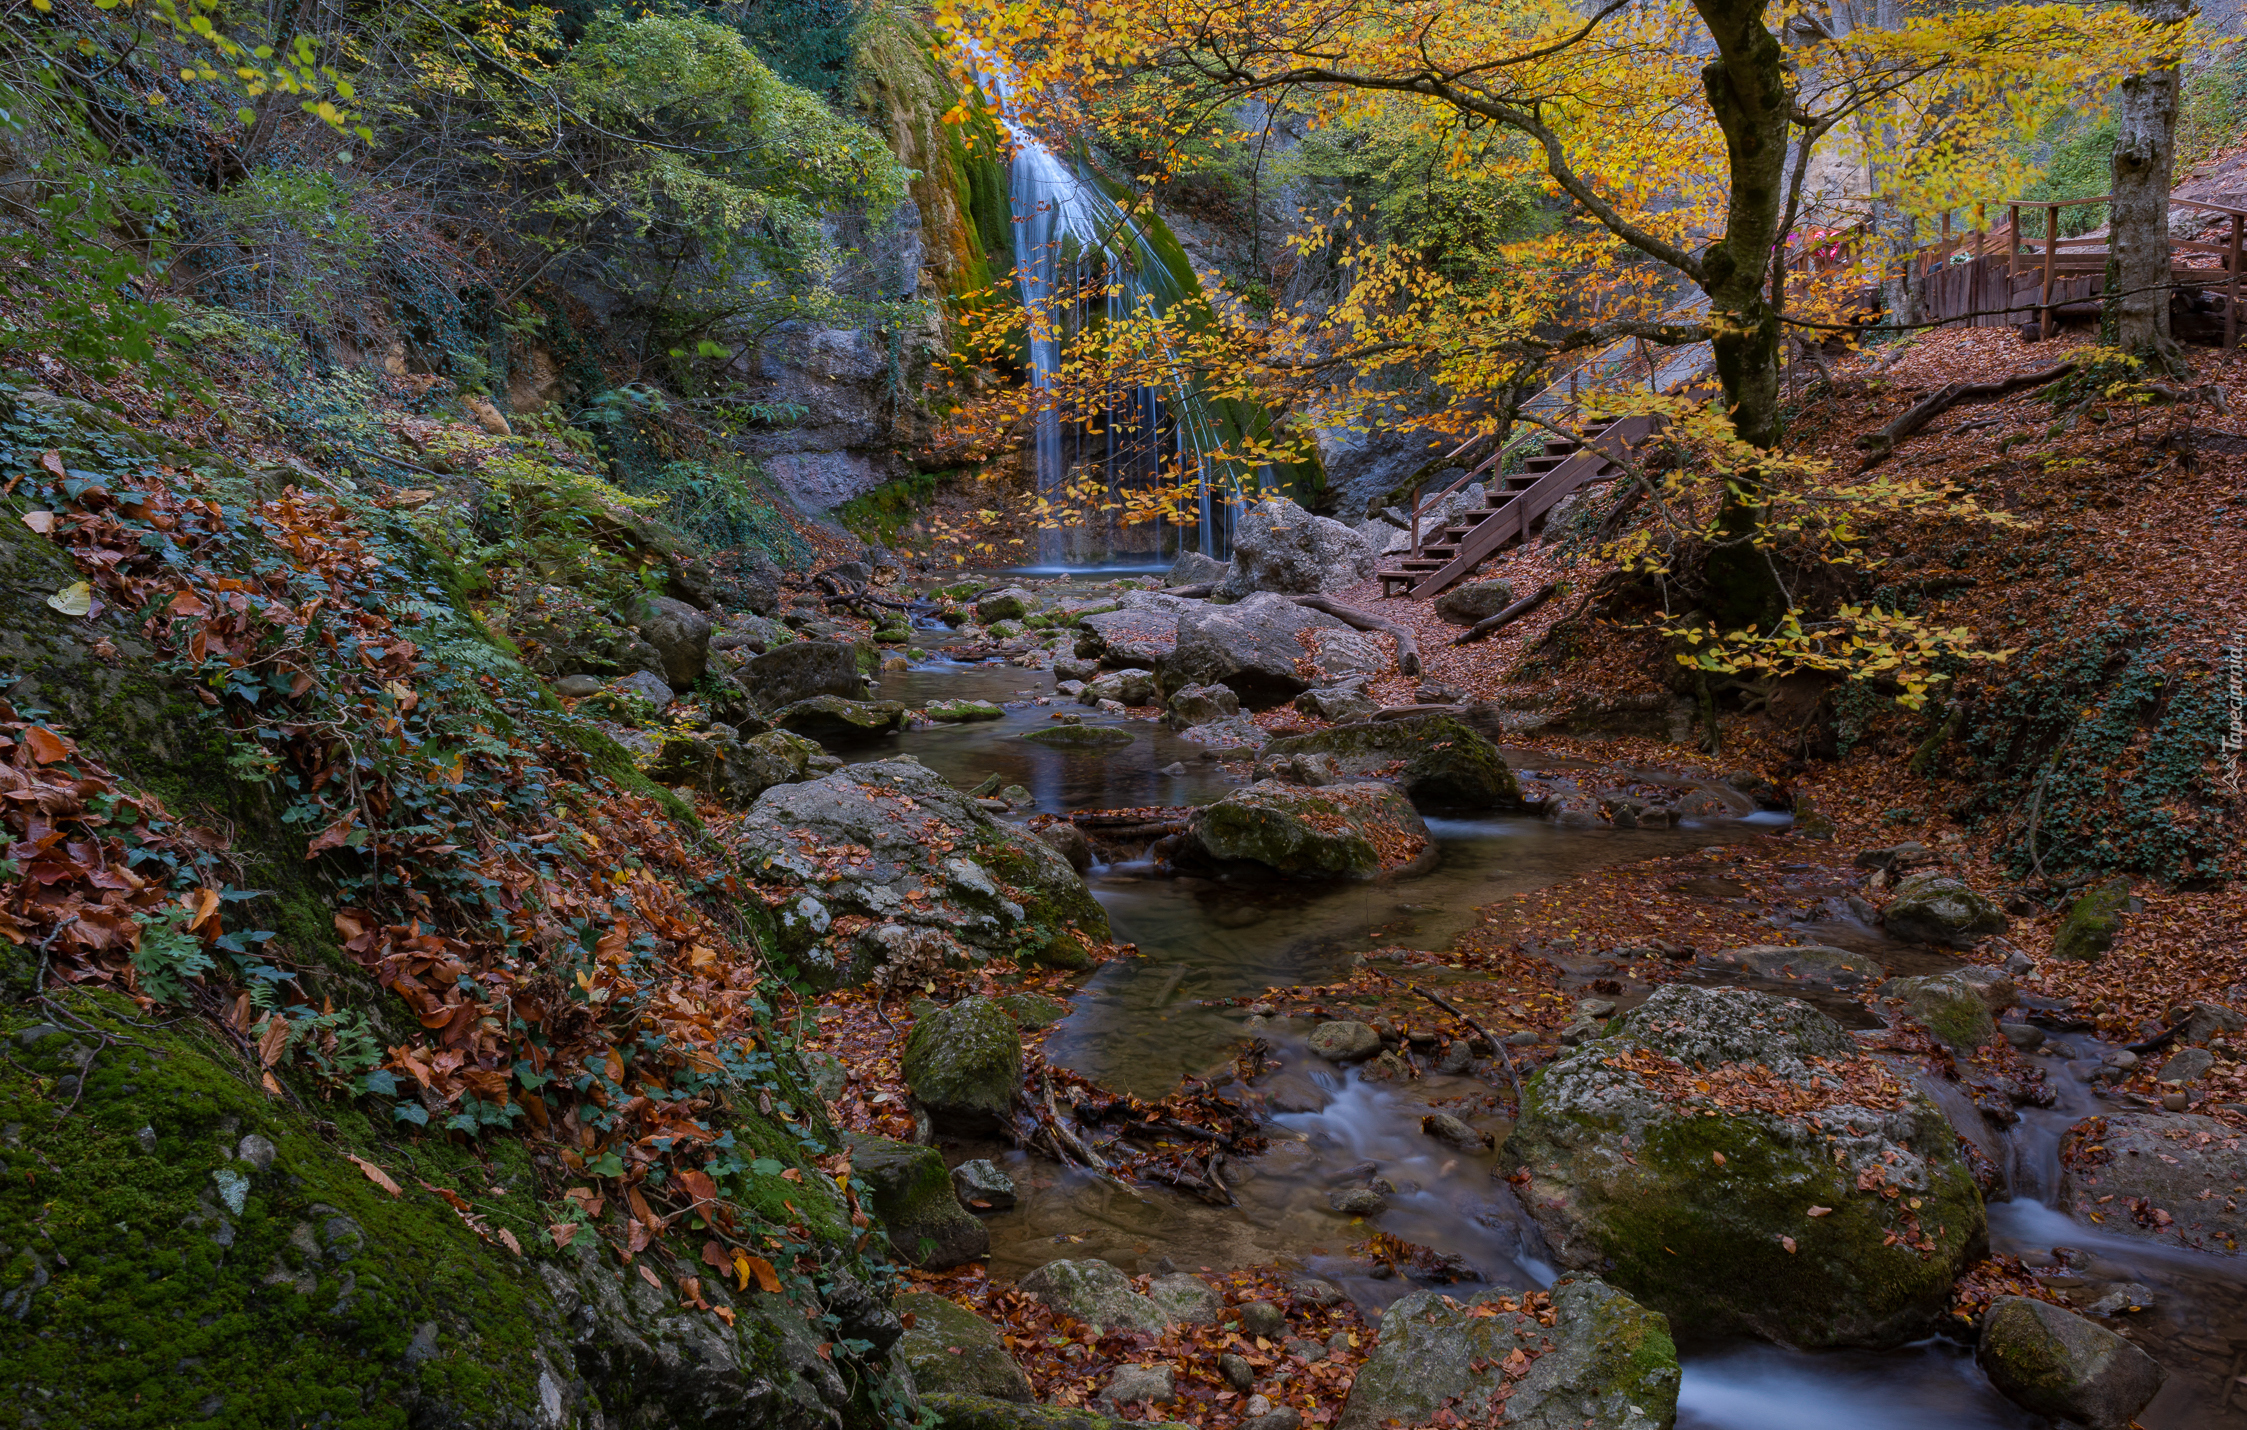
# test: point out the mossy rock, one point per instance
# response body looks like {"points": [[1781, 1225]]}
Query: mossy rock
{"points": [[950, 1348], [913, 1198], [1936, 908], [1353, 831], [1093, 738], [1446, 762], [1948, 1006], [1628, 1183], [962, 1064], [982, 1412], [957, 712], [2093, 923], [2057, 1363], [1035, 1010]]}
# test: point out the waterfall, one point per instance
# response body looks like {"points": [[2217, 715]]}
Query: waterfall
{"points": [[1078, 257]]}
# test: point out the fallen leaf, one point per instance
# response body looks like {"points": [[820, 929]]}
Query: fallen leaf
{"points": [[1821, 1211], [75, 599], [40, 521], [46, 746], [563, 1232], [332, 837], [1717, 1157], [723, 1313], [274, 1041], [381, 1178], [507, 1239], [272, 1088], [650, 1277], [1788, 1243], [747, 1267], [52, 461]]}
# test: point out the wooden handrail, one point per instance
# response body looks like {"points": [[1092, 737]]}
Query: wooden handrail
{"points": [[1422, 504]]}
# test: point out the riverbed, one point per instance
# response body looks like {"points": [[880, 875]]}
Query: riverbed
{"points": [[1206, 944]]}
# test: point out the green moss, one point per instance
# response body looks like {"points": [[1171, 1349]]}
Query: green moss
{"points": [[150, 1298], [879, 515], [2093, 923]]}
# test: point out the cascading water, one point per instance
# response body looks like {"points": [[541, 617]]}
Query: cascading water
{"points": [[1078, 257]]}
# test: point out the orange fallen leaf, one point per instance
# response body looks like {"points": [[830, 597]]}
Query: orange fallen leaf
{"points": [[1788, 1243], [650, 1277], [46, 746], [1821, 1211], [747, 1267], [507, 1239], [332, 837], [377, 1176], [563, 1232], [1717, 1157]]}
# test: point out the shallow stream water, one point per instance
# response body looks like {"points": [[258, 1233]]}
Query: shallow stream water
{"points": [[1140, 1024]]}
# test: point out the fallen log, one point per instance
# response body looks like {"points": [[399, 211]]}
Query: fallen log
{"points": [[1882, 444], [1508, 616], [1408, 647]]}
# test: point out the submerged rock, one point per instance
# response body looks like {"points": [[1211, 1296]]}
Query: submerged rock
{"points": [[1710, 1217], [1935, 908], [937, 875], [1353, 831], [1811, 963], [950, 1349], [1445, 761], [2056, 1363], [958, 712], [962, 1064], [1606, 1361], [913, 1198]]}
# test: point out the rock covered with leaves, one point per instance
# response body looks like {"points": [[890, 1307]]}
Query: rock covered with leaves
{"points": [[1733, 1157], [888, 864], [1355, 831]]}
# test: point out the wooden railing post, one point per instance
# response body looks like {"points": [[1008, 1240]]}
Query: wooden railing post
{"points": [[2051, 258], [2012, 251], [2231, 288]]}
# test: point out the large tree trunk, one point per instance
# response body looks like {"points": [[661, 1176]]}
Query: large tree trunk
{"points": [[1748, 93], [2136, 314]]}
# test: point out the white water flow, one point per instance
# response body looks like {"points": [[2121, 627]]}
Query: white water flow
{"points": [[1079, 259]]}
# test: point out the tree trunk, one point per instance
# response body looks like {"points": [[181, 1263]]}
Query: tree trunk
{"points": [[1749, 95], [2136, 314], [1896, 231]]}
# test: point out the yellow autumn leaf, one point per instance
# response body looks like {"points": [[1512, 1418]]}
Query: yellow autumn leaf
{"points": [[75, 599]]}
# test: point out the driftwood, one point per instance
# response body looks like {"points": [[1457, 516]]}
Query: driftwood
{"points": [[1408, 648], [1508, 616], [1882, 444]]}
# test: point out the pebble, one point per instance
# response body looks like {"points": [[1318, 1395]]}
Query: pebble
{"points": [[1262, 1318], [2175, 1102]]}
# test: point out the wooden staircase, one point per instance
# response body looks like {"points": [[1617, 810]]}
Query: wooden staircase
{"points": [[1515, 504]]}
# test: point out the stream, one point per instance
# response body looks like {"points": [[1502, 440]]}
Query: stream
{"points": [[1138, 1025]]}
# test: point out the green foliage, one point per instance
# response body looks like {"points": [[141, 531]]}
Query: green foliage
{"points": [[168, 955], [2080, 164], [810, 43], [2214, 108], [78, 289], [722, 502], [880, 514]]}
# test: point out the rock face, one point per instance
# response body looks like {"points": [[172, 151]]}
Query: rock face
{"points": [[1354, 831], [2168, 1184], [801, 670], [1606, 1362], [679, 632], [1624, 1173], [913, 1197], [1254, 646], [1096, 1293], [971, 900], [2092, 923], [1810, 963], [1279, 547], [962, 1064], [1472, 601], [2056, 1363], [1935, 908], [1446, 762], [951, 1349], [1951, 1008]]}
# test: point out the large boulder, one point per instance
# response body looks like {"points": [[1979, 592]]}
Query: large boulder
{"points": [[801, 670], [2054, 1362], [951, 1349], [1096, 1293], [913, 1198], [1732, 1157], [1201, 704], [1009, 604], [2172, 1177], [1194, 569], [1127, 687], [1254, 646], [1279, 547], [1141, 630], [1605, 1361], [1472, 601], [962, 1064], [1445, 761], [1935, 908], [1353, 831], [1948, 1006], [936, 875], [679, 632], [1338, 704], [733, 771]]}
